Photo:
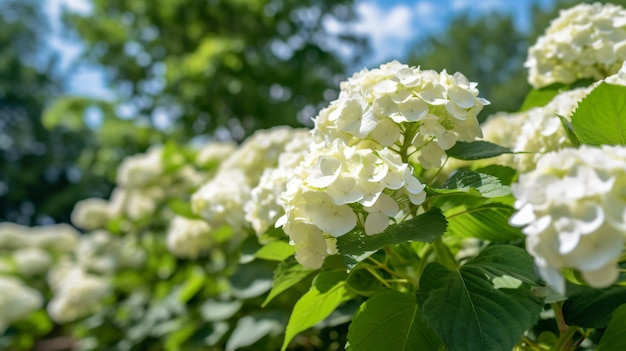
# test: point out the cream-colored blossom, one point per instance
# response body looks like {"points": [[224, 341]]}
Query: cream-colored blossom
{"points": [[396, 102], [17, 301], [260, 151], [213, 153], [329, 187], [60, 238], [357, 171], [585, 41], [573, 209], [101, 252], [76, 293], [263, 209], [188, 238], [32, 261], [142, 169], [542, 131], [221, 201], [90, 214]]}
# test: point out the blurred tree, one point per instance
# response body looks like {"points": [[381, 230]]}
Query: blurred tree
{"points": [[489, 50], [239, 64], [38, 179]]}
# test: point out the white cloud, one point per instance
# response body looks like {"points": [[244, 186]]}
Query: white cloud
{"points": [[428, 14], [388, 29]]}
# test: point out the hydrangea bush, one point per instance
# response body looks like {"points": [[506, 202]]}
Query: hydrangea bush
{"points": [[396, 223]]}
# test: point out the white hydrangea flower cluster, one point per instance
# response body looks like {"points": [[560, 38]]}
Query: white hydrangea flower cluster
{"points": [[32, 261], [585, 41], [92, 213], [101, 252], [263, 209], [188, 238], [542, 130], [17, 301], [213, 153], [57, 239], [573, 207], [222, 200], [357, 172], [538, 130], [76, 292], [335, 188], [141, 170], [400, 106]]}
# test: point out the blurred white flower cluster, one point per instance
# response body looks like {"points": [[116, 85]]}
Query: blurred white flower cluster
{"points": [[26, 256], [357, 172], [539, 130], [187, 238], [585, 41], [263, 208], [32, 250], [17, 301], [573, 207], [76, 293], [223, 199]]}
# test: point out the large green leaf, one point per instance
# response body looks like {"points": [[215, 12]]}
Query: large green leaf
{"points": [[286, 275], [476, 183], [470, 309], [426, 227], [613, 338], [600, 118], [476, 150], [487, 222], [252, 328], [390, 320], [505, 174], [251, 280], [326, 294], [591, 308], [215, 310], [541, 97], [278, 250]]}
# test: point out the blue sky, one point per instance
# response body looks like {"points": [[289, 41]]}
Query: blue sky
{"points": [[391, 26]]}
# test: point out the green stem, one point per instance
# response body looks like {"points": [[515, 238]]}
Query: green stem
{"points": [[565, 332]]}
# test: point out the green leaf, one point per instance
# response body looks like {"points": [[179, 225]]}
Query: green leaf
{"points": [[286, 275], [214, 310], [326, 294], [541, 97], [505, 174], [600, 118], [217, 331], [473, 182], [251, 280], [471, 309], [476, 150], [390, 320], [182, 208], [569, 131], [252, 328], [173, 157], [68, 112], [591, 308], [363, 282], [427, 227], [192, 285], [486, 222], [613, 338], [276, 251]]}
